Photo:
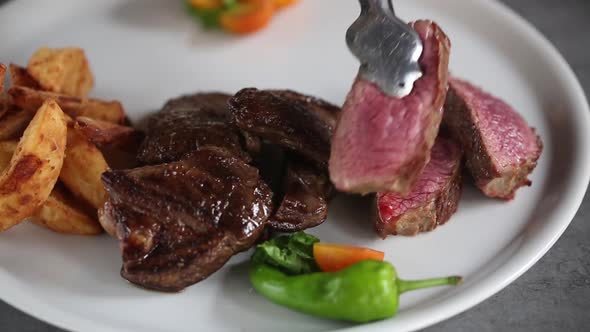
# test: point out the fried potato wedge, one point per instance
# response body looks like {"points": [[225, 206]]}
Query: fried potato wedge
{"points": [[7, 149], [34, 167], [3, 96], [29, 99], [63, 70], [104, 133], [82, 169], [4, 104], [20, 77], [2, 74], [13, 123], [118, 144], [62, 213]]}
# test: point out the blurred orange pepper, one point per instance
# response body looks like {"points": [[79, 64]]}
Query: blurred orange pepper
{"points": [[247, 16], [237, 16], [335, 257], [284, 3], [206, 4]]}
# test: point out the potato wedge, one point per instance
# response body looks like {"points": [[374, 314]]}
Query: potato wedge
{"points": [[20, 77], [118, 144], [2, 74], [3, 96], [62, 213], [29, 99], [34, 167], [13, 123], [63, 70], [104, 133], [4, 104], [7, 149], [82, 169]]}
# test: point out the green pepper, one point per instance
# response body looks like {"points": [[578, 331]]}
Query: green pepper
{"points": [[209, 18], [366, 291], [291, 253]]}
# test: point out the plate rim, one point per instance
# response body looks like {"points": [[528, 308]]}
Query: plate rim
{"points": [[437, 310]]}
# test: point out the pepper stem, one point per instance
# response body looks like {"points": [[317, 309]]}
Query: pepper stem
{"points": [[408, 285]]}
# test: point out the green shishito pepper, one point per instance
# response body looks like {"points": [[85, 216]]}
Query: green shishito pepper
{"points": [[366, 291]]}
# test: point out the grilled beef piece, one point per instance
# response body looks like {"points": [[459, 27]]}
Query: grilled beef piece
{"points": [[187, 123], [382, 143], [180, 222], [501, 150], [432, 200], [304, 204], [107, 220], [252, 143], [300, 123], [300, 190], [323, 110], [303, 125], [271, 162]]}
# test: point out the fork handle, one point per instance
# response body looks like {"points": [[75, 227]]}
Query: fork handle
{"points": [[384, 5]]}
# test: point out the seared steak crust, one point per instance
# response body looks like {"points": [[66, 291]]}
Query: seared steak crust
{"points": [[187, 123], [297, 122], [302, 126], [179, 222], [305, 201]]}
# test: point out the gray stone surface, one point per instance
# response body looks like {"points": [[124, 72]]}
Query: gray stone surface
{"points": [[554, 295]]}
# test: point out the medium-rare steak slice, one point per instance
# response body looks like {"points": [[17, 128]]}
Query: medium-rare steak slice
{"points": [[500, 147], [180, 222], [432, 200], [300, 123], [187, 123], [305, 199], [382, 143]]}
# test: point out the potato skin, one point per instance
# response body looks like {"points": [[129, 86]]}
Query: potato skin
{"points": [[62, 70], [29, 100], [62, 213], [35, 166], [82, 169]]}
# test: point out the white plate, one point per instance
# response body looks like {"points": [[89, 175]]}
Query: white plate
{"points": [[146, 51]]}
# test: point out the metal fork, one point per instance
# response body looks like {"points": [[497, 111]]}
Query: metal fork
{"points": [[387, 47]]}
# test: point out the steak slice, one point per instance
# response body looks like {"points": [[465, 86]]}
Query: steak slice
{"points": [[187, 123], [297, 122], [305, 200], [303, 125], [501, 149], [180, 222], [382, 143], [432, 200]]}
